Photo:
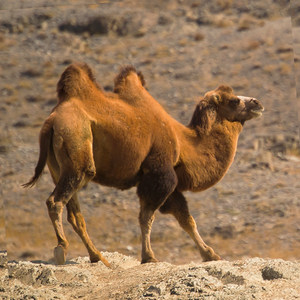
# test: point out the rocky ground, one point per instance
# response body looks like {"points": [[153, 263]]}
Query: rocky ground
{"points": [[183, 48], [253, 278]]}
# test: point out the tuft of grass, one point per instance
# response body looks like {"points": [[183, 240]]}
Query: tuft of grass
{"points": [[162, 51], [5, 43], [224, 4], [236, 69], [183, 42], [25, 84], [222, 21], [247, 22], [252, 45], [270, 69], [199, 36], [285, 69]]}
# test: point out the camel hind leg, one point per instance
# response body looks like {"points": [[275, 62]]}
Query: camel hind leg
{"points": [[62, 193], [70, 170], [177, 206], [76, 219]]}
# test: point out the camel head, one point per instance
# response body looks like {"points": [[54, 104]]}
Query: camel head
{"points": [[221, 104], [233, 108]]}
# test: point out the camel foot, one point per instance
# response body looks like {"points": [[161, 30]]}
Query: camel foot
{"points": [[98, 257], [59, 255], [210, 255], [212, 258], [149, 260]]}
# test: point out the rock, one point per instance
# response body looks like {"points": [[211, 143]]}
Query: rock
{"points": [[269, 273], [3, 259]]}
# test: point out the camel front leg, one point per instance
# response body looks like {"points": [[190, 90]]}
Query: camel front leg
{"points": [[176, 205], [153, 190], [76, 219]]}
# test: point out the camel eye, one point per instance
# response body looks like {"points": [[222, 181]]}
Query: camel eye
{"points": [[234, 102]]}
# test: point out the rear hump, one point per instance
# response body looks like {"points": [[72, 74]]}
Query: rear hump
{"points": [[123, 74]]}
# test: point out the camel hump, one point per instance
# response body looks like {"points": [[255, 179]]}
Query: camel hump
{"points": [[77, 80], [124, 78]]}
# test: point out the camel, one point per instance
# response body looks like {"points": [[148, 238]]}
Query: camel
{"points": [[124, 139]]}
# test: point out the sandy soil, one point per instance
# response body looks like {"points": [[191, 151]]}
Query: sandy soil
{"points": [[252, 278], [183, 49]]}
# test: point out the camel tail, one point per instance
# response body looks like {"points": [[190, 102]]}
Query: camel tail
{"points": [[78, 81], [124, 72], [45, 141]]}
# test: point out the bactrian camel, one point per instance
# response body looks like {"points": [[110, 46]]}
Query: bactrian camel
{"points": [[124, 139]]}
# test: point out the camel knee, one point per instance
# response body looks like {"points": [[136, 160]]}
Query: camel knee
{"points": [[187, 223], [146, 218], [90, 172], [53, 207]]}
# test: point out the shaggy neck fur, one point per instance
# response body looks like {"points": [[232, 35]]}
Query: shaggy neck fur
{"points": [[207, 152]]}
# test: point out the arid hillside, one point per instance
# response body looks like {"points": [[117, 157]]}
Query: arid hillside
{"points": [[184, 49]]}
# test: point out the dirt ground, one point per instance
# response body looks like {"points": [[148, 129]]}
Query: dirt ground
{"points": [[183, 48], [253, 278]]}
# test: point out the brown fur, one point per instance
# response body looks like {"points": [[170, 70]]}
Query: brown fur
{"points": [[127, 139], [85, 80], [120, 79]]}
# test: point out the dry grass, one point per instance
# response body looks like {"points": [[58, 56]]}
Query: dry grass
{"points": [[270, 68], [285, 69], [295, 151], [222, 21], [252, 45], [25, 84], [246, 22], [225, 4], [199, 37], [183, 42], [236, 69], [5, 43], [162, 51]]}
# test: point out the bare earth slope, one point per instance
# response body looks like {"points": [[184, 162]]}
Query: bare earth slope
{"points": [[253, 278], [183, 48]]}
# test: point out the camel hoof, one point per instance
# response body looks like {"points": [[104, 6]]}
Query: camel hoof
{"points": [[149, 260], [96, 258], [59, 255], [106, 263], [214, 257]]}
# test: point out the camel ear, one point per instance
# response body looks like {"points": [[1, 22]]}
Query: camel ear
{"points": [[216, 98], [203, 118]]}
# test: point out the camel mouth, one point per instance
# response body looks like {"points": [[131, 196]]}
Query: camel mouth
{"points": [[257, 112]]}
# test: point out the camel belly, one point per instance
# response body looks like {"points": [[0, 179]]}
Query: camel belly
{"points": [[119, 170], [118, 158]]}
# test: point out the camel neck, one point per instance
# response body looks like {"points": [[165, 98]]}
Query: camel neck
{"points": [[204, 159]]}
